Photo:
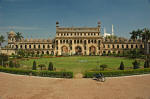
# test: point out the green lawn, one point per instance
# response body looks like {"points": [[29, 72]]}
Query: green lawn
{"points": [[80, 63]]}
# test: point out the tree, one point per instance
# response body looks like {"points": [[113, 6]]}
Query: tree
{"points": [[136, 64], [146, 35], [103, 66], [2, 39], [50, 67], [134, 53], [146, 64], [134, 34], [140, 33], [34, 65], [21, 53], [121, 66], [3, 59], [11, 64], [18, 36], [41, 66]]}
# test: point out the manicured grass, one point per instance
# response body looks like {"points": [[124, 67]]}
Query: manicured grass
{"points": [[81, 63]]}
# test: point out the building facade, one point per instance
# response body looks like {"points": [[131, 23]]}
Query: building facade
{"points": [[72, 41]]}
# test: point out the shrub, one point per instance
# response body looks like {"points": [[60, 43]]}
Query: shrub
{"points": [[121, 66], [34, 65], [50, 67], [43, 73], [146, 64], [115, 73], [136, 64], [11, 64]]}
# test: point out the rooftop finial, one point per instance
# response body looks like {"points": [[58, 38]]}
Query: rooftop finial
{"points": [[57, 24], [99, 23]]}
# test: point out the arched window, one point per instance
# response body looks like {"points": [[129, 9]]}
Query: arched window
{"points": [[136, 46], [122, 46], [117, 46], [25, 46], [47, 52], [77, 41], [34, 46], [131, 46], [141, 46], [16, 46], [48, 46], [39, 46], [127, 46], [61, 41], [88, 41], [113, 46], [20, 46], [43, 46], [29, 46]]}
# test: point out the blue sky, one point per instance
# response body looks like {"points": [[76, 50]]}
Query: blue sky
{"points": [[37, 18]]}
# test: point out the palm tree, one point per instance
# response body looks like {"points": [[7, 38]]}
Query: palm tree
{"points": [[134, 35], [146, 34], [18, 36], [2, 39]]}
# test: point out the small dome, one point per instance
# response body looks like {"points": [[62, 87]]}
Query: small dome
{"points": [[98, 22], [57, 22], [12, 32]]}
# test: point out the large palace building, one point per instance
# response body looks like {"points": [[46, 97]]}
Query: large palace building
{"points": [[72, 41]]}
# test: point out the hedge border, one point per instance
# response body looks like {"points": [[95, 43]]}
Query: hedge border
{"points": [[43, 73], [116, 73]]}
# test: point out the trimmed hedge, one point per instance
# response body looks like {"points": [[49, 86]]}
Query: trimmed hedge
{"points": [[116, 73], [43, 73]]}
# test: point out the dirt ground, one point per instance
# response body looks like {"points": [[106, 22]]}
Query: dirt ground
{"points": [[28, 87]]}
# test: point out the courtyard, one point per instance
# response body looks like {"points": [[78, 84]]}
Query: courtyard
{"points": [[29, 87]]}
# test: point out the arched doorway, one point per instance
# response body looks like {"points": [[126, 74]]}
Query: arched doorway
{"points": [[78, 50], [64, 50], [92, 50]]}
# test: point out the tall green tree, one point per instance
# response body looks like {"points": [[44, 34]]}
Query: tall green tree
{"points": [[134, 35], [2, 39], [121, 66], [18, 36], [34, 65], [143, 34], [50, 67], [146, 34]]}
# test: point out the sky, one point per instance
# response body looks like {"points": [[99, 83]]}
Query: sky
{"points": [[37, 18]]}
